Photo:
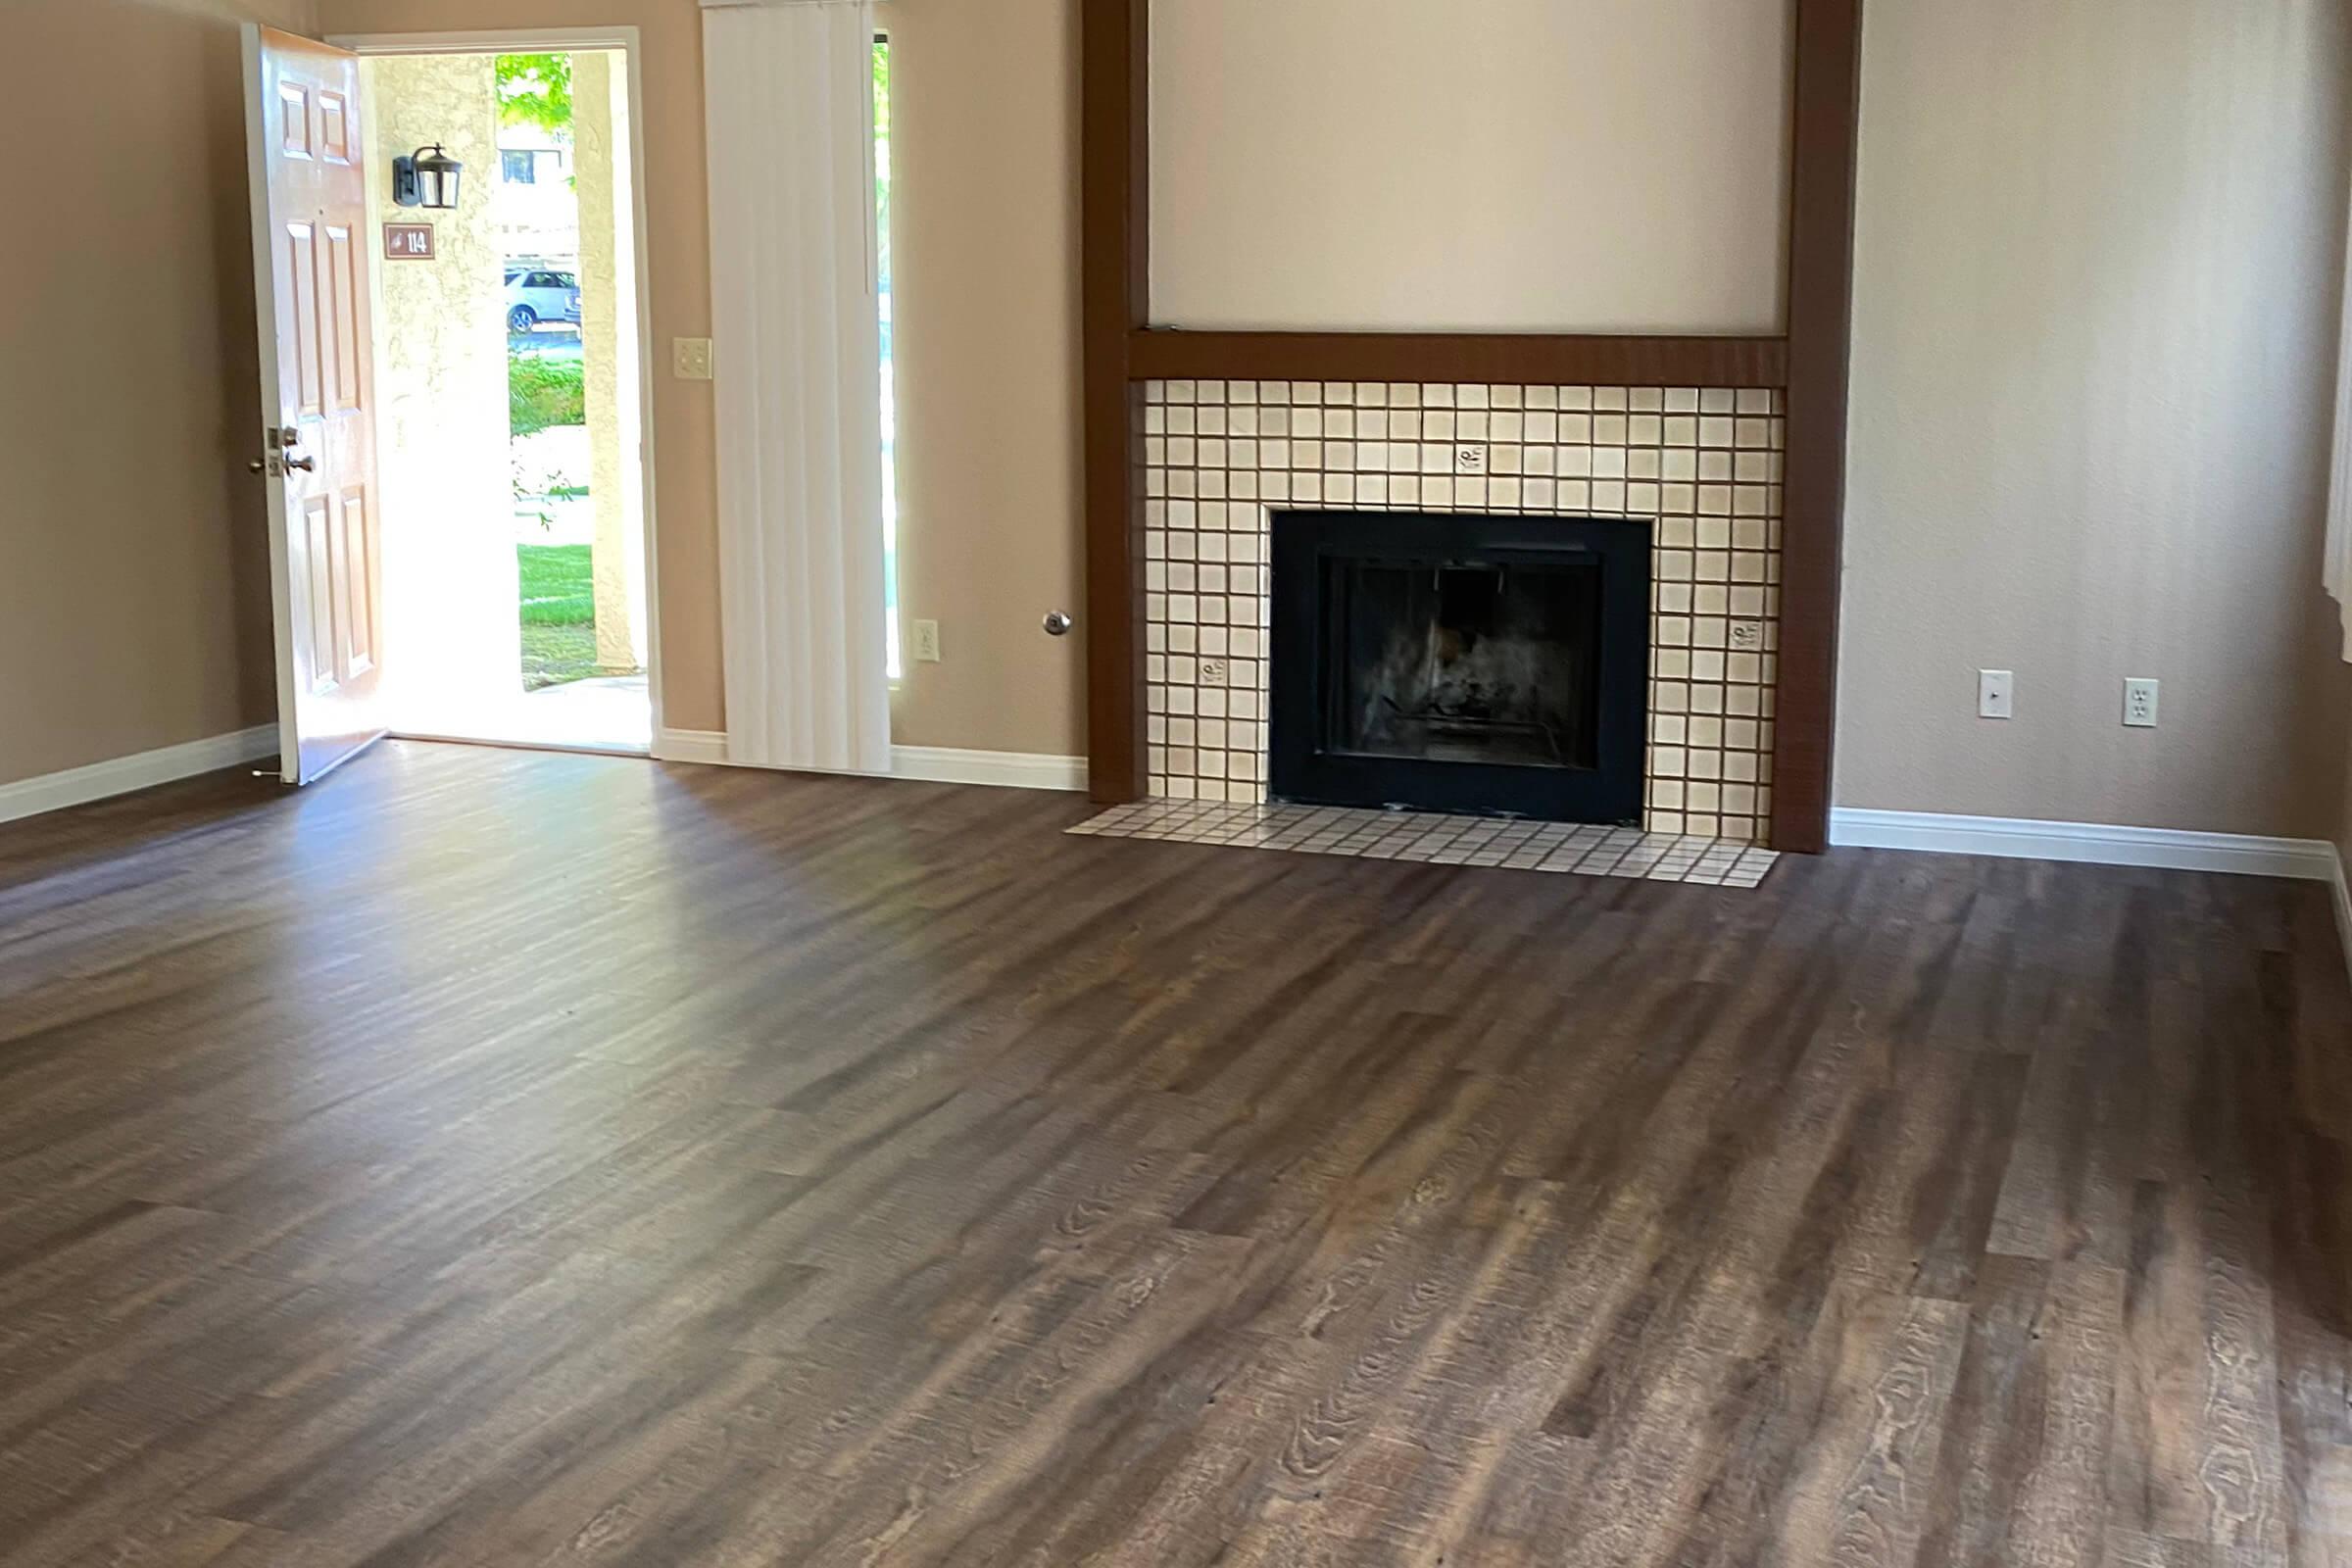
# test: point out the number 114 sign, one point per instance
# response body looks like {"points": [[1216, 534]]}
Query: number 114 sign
{"points": [[409, 242]]}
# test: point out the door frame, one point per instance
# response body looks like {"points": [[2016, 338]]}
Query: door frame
{"points": [[565, 40]]}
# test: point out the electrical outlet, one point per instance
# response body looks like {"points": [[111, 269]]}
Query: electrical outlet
{"points": [[1995, 689], [690, 358], [1470, 457], [1748, 636], [2139, 703], [1212, 672], [927, 641]]}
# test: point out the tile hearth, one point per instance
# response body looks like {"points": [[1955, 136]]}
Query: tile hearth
{"points": [[1512, 843]]}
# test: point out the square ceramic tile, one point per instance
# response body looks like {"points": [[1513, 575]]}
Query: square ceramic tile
{"points": [[1701, 464], [1436, 839]]}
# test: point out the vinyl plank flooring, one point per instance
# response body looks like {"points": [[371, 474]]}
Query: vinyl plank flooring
{"points": [[494, 1157]]}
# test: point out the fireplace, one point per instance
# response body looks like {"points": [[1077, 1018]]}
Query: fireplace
{"points": [[1461, 662]]}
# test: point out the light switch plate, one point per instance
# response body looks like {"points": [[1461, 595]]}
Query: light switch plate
{"points": [[1996, 693], [690, 358], [926, 642]]}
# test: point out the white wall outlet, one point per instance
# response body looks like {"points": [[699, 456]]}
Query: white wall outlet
{"points": [[1470, 457], [1212, 672], [927, 641], [2139, 703], [1747, 636], [690, 358], [1995, 690]]}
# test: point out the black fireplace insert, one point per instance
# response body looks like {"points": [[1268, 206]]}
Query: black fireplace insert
{"points": [[1461, 662]]}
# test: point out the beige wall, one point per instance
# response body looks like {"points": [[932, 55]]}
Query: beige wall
{"points": [[1528, 164], [984, 179], [677, 273], [2099, 254], [134, 597], [987, 329]]}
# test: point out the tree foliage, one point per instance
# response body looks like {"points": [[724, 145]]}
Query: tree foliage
{"points": [[536, 90]]}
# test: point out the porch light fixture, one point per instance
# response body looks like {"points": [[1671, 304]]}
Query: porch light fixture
{"points": [[427, 177]]}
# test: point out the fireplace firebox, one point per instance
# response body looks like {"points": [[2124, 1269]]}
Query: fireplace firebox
{"points": [[1461, 662]]}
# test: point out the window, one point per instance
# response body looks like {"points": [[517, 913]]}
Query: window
{"points": [[518, 167]]}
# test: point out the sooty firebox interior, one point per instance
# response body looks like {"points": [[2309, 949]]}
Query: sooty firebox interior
{"points": [[1450, 662]]}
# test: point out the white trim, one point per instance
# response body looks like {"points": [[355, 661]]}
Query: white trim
{"points": [[690, 746], [78, 786], [487, 41], [559, 40], [264, 320], [2097, 843], [1020, 771], [933, 765]]}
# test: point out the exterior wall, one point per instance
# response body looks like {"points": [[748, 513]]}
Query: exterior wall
{"points": [[2095, 347], [1218, 457], [1496, 165], [608, 349], [135, 556], [441, 388]]}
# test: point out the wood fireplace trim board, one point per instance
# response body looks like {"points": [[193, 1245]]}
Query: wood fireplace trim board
{"points": [[1121, 351]]}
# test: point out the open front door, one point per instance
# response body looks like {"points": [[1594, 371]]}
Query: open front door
{"points": [[314, 434]]}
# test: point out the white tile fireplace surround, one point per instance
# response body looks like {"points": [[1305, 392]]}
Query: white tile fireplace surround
{"points": [[1220, 456]]}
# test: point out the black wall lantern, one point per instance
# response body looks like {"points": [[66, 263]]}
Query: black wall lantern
{"points": [[427, 177]]}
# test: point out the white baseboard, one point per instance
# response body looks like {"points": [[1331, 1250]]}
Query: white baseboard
{"points": [[934, 765], [76, 786], [2097, 843], [1020, 771], [690, 744]]}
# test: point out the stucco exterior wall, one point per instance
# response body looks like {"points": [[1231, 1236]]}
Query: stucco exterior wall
{"points": [[441, 383], [608, 346]]}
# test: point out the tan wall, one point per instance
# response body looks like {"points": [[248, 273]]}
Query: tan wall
{"points": [[677, 274], [984, 151], [134, 597], [1528, 164], [987, 332], [2093, 357]]}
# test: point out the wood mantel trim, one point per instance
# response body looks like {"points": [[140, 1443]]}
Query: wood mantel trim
{"points": [[1114, 224], [1528, 360], [1827, 95], [1121, 351]]}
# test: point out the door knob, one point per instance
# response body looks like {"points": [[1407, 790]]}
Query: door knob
{"points": [[258, 466], [306, 464]]}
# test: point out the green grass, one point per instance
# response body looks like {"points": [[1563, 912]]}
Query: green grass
{"points": [[559, 615], [559, 585]]}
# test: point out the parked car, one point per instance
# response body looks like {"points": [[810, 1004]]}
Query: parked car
{"points": [[535, 295]]}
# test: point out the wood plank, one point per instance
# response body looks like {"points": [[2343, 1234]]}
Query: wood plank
{"points": [[519, 1158]]}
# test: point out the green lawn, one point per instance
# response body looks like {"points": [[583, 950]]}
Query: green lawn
{"points": [[559, 615], [559, 588]]}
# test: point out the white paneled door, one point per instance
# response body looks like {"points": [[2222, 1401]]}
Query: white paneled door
{"points": [[315, 432]]}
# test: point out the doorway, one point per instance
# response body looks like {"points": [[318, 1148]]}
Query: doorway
{"points": [[511, 392]]}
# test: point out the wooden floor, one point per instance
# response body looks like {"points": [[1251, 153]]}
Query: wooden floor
{"points": [[488, 1157]]}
